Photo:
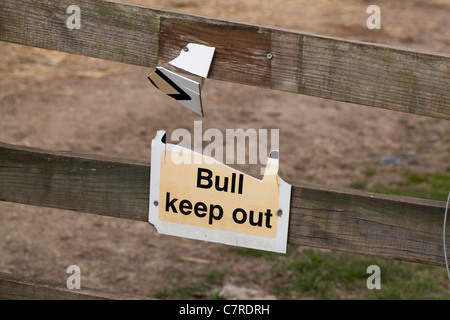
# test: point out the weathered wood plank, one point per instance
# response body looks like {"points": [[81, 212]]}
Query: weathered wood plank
{"points": [[368, 223], [109, 30], [241, 50], [375, 75], [338, 219], [113, 187], [14, 287], [350, 71], [363, 73]]}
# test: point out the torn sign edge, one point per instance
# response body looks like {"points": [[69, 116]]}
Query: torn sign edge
{"points": [[195, 59], [277, 244]]}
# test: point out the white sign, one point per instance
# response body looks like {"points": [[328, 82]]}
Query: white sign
{"points": [[195, 58], [194, 196]]}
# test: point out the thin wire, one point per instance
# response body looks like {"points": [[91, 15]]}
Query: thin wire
{"points": [[445, 250]]}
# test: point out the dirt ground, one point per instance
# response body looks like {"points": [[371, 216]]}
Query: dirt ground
{"points": [[59, 101]]}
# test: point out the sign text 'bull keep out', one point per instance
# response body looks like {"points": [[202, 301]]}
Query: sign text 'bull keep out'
{"points": [[206, 200]]}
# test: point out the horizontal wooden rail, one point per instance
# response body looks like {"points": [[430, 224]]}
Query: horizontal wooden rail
{"points": [[351, 71], [338, 219], [14, 287]]}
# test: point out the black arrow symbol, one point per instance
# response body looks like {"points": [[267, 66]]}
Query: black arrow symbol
{"points": [[181, 95]]}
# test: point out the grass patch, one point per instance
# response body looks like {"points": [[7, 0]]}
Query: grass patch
{"points": [[204, 290], [216, 275], [332, 275], [316, 274], [435, 186], [328, 275], [370, 172], [173, 291], [360, 184], [253, 253]]}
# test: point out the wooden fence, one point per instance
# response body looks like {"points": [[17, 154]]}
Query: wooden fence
{"points": [[363, 73]]}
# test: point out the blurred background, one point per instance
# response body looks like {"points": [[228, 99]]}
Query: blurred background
{"points": [[60, 101]]}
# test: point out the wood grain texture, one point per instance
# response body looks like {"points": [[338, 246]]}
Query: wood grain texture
{"points": [[105, 186], [241, 50], [337, 219], [363, 73], [109, 30], [14, 287], [375, 75], [367, 223]]}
